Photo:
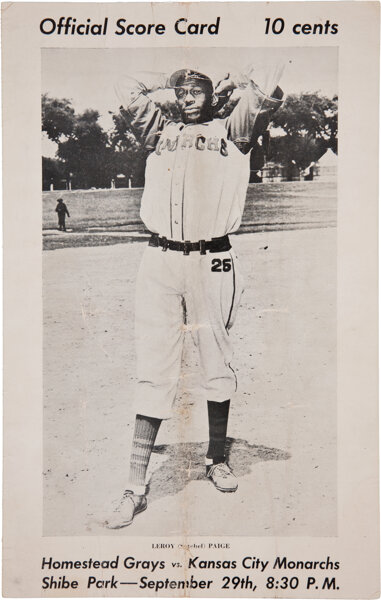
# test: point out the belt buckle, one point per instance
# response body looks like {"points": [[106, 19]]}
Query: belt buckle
{"points": [[202, 245], [165, 244], [154, 240], [186, 248]]}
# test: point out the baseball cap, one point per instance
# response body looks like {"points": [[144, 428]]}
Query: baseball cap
{"points": [[183, 76]]}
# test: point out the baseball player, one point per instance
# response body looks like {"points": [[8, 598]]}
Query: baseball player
{"points": [[197, 174]]}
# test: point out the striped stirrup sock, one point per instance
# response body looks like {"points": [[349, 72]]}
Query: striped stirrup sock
{"points": [[145, 433]]}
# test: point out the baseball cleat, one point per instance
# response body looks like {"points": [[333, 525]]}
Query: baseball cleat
{"points": [[130, 505], [223, 477]]}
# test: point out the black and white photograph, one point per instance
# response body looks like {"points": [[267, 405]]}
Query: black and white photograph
{"points": [[189, 291], [191, 299]]}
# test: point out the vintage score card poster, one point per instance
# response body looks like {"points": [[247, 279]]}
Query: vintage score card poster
{"points": [[190, 242]]}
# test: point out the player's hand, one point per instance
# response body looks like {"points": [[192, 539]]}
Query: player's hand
{"points": [[225, 85]]}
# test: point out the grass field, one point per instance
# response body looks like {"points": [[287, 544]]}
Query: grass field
{"points": [[102, 217]]}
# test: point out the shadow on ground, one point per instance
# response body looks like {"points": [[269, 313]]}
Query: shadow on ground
{"points": [[185, 463]]}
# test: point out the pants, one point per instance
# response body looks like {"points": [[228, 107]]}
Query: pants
{"points": [[61, 221], [210, 287]]}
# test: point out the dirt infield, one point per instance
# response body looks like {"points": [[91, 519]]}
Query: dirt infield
{"points": [[283, 420]]}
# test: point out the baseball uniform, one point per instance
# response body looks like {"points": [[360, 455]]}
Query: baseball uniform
{"points": [[195, 189]]}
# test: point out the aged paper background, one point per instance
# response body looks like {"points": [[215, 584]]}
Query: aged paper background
{"points": [[35, 524]]}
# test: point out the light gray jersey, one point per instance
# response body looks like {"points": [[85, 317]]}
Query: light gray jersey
{"points": [[197, 174], [196, 182]]}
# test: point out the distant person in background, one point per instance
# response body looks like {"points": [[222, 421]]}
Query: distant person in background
{"points": [[62, 211]]}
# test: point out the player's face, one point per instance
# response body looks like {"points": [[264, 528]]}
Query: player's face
{"points": [[194, 102]]}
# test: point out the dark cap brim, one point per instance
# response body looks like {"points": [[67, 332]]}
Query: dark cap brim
{"points": [[188, 75]]}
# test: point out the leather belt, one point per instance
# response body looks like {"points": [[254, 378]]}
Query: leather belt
{"points": [[218, 244]]}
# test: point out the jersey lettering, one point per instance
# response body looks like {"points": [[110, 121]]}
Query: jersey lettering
{"points": [[188, 141], [167, 144], [200, 142], [213, 143], [224, 147]]}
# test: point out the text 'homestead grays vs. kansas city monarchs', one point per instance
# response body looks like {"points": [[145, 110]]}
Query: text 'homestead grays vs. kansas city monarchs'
{"points": [[196, 181]]}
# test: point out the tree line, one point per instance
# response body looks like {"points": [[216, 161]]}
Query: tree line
{"points": [[87, 156]]}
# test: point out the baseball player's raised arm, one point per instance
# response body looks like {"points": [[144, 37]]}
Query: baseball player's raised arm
{"points": [[252, 114], [144, 117]]}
